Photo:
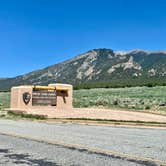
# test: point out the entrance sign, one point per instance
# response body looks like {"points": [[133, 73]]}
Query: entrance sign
{"points": [[55, 96], [44, 98]]}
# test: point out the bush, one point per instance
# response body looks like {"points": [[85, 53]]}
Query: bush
{"points": [[102, 102], [150, 85], [147, 107], [115, 102]]}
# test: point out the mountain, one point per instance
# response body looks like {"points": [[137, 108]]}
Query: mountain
{"points": [[100, 67]]}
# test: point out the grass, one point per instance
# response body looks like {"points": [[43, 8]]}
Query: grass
{"points": [[4, 100], [14, 115], [17, 116], [135, 98]]}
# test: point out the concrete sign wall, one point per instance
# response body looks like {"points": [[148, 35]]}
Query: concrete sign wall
{"points": [[53, 95]]}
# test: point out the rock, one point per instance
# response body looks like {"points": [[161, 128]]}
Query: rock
{"points": [[162, 104]]}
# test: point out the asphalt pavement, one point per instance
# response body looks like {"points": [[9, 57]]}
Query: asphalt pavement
{"points": [[19, 145]]}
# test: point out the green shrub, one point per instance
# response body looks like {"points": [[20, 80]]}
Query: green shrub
{"points": [[102, 102], [147, 107], [115, 102]]}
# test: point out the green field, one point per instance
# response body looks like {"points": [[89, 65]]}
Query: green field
{"points": [[4, 100], [135, 98]]}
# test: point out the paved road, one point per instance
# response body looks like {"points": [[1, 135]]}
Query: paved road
{"points": [[133, 141], [16, 151]]}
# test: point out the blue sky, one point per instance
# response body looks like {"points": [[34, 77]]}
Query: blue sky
{"points": [[38, 33]]}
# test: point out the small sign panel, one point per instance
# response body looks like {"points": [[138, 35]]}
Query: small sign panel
{"points": [[44, 98], [26, 97]]}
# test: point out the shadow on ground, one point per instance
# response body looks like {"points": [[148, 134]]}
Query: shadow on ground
{"points": [[24, 159]]}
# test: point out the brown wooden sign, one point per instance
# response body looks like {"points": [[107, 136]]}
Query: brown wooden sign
{"points": [[44, 98]]}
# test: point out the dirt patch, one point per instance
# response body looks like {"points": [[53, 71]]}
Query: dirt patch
{"points": [[92, 113]]}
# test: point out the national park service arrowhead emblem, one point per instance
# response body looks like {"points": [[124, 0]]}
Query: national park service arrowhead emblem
{"points": [[26, 97]]}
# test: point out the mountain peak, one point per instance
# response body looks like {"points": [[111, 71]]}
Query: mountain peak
{"points": [[138, 51], [101, 49], [99, 65]]}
